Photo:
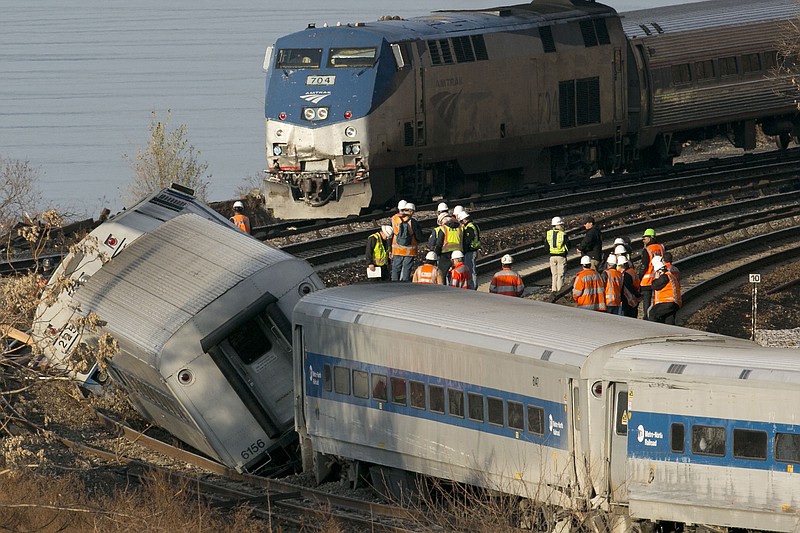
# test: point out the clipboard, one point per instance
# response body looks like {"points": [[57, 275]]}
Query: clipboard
{"points": [[374, 273]]}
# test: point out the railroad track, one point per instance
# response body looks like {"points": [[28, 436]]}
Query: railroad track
{"points": [[294, 228], [347, 245]]}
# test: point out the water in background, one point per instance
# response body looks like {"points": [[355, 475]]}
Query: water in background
{"points": [[79, 80]]}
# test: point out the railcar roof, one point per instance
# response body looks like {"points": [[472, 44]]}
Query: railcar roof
{"points": [[166, 277], [471, 21], [705, 16], [480, 319]]}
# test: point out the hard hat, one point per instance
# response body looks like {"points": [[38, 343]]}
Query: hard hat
{"points": [[457, 209], [387, 231], [431, 256], [442, 207], [442, 217], [47, 264], [556, 221], [619, 240], [649, 232], [457, 254], [238, 205], [506, 260], [620, 249], [612, 259], [657, 263], [462, 215], [586, 260], [401, 205], [409, 207], [622, 260]]}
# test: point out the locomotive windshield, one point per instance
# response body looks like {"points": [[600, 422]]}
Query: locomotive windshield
{"points": [[351, 57], [294, 58]]}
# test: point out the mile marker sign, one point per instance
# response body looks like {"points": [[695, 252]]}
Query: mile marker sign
{"points": [[755, 278]]}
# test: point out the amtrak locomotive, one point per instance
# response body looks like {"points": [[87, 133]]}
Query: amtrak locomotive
{"points": [[645, 424], [463, 102]]}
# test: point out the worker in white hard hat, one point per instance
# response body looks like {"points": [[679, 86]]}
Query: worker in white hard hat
{"points": [[666, 293], [507, 282], [612, 285], [626, 244], [407, 234], [630, 288], [429, 273], [471, 243], [457, 209], [587, 290], [459, 275], [446, 237], [401, 205], [377, 254], [239, 219], [558, 244]]}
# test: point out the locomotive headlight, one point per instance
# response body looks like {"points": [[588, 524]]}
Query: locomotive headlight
{"points": [[356, 149], [309, 113], [276, 149], [350, 131], [322, 113]]}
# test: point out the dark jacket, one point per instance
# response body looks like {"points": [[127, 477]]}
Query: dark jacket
{"points": [[592, 243]]}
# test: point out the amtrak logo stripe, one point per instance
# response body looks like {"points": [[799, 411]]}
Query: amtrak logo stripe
{"points": [[314, 98]]}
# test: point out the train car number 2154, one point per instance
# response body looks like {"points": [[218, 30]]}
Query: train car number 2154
{"points": [[321, 80]]}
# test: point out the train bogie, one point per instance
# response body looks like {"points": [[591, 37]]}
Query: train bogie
{"points": [[647, 423]]}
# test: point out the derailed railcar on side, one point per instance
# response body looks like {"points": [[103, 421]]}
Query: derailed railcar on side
{"points": [[201, 313], [649, 423], [462, 102]]}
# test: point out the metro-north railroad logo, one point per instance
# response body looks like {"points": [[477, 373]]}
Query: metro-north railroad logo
{"points": [[314, 98]]}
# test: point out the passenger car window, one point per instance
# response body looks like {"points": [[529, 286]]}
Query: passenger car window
{"points": [[475, 406], [622, 413], [250, 342], [516, 418], [677, 438], [535, 420], [708, 440], [436, 398], [456, 402], [360, 384], [399, 394], [379, 389], [787, 447], [327, 377], [417, 394], [495, 406], [749, 444], [341, 380]]}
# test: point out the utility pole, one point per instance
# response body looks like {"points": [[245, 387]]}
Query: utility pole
{"points": [[755, 279]]}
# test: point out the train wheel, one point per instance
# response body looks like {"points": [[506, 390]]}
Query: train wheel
{"points": [[782, 141]]}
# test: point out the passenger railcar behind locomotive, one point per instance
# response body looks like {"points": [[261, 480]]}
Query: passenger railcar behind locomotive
{"points": [[463, 102], [652, 424]]}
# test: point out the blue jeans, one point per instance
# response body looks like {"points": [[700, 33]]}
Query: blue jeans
{"points": [[469, 260], [401, 267]]}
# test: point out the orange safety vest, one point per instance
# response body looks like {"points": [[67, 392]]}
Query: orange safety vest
{"points": [[399, 249], [241, 221], [588, 291], [460, 276], [426, 274], [613, 288], [507, 282], [652, 250], [671, 292], [630, 297]]}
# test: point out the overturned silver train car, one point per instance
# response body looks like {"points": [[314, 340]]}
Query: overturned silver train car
{"points": [[200, 312]]}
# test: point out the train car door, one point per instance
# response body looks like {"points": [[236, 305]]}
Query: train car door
{"points": [[619, 87], [618, 441]]}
